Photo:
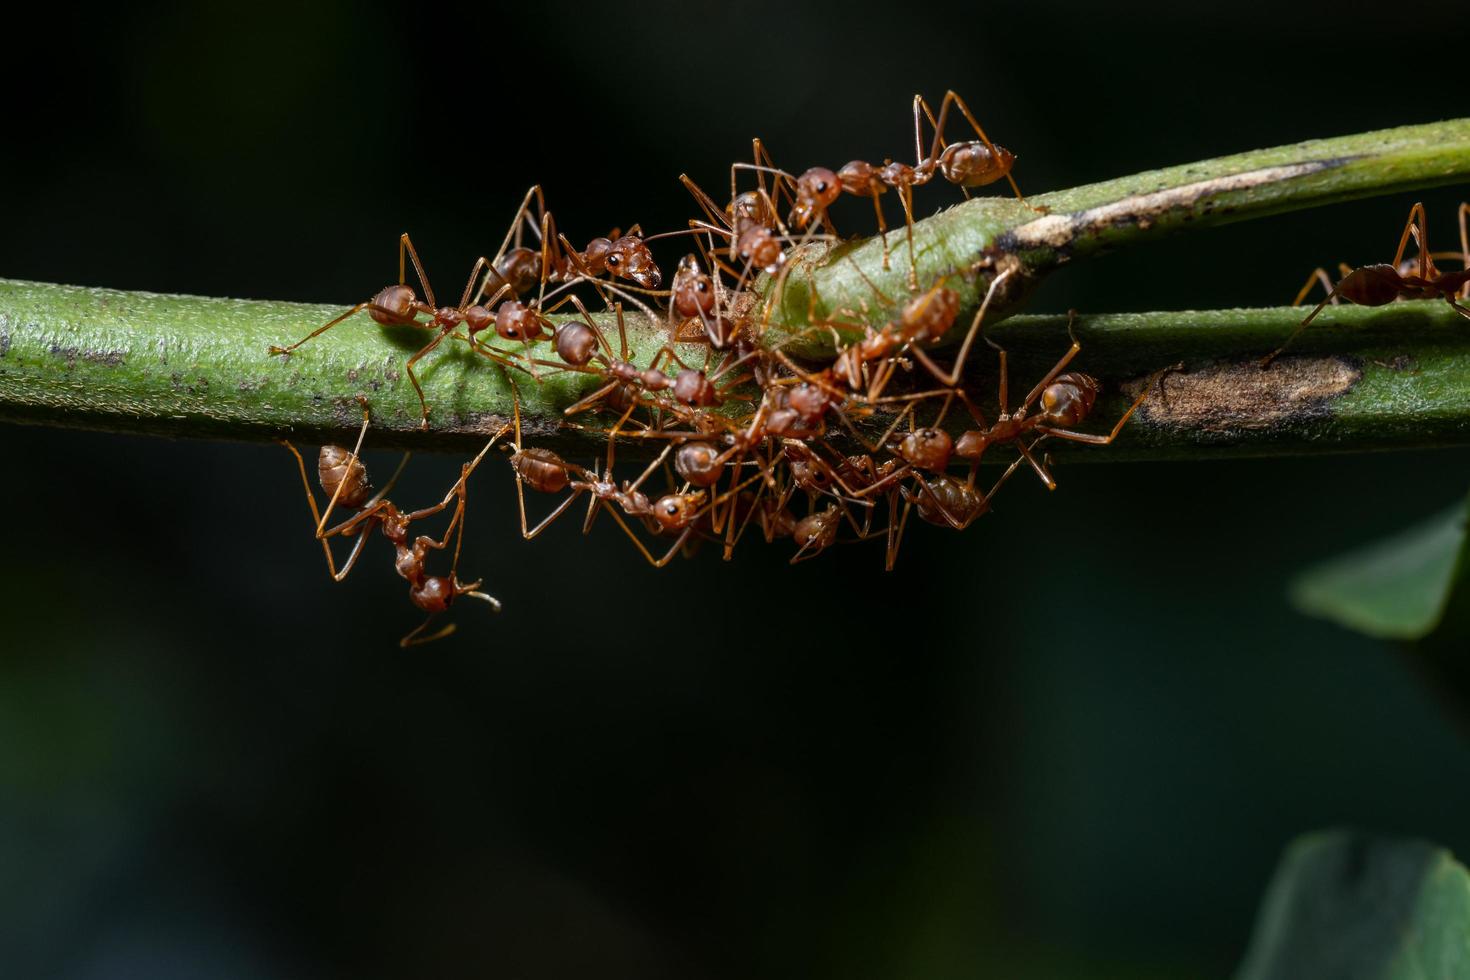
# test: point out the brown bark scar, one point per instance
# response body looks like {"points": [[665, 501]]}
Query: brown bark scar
{"points": [[1233, 397]]}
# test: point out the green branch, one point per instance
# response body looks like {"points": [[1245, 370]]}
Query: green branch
{"points": [[181, 366], [968, 242], [1395, 376]]}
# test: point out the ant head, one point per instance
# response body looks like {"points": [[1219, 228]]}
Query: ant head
{"points": [[1068, 399], [808, 400], [809, 476], [693, 388], [629, 258], [815, 191], [758, 247], [394, 305], [676, 511], [342, 475], [434, 593], [395, 525], [694, 292], [515, 320], [927, 449]]}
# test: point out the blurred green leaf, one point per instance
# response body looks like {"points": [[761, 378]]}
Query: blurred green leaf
{"points": [[1346, 905], [1398, 588]]}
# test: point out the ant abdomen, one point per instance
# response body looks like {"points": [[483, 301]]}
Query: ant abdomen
{"points": [[394, 306], [519, 269], [1371, 285], [1069, 399], [343, 477], [948, 502], [575, 343], [929, 315], [515, 320], [543, 469], [699, 463], [972, 164], [694, 388]]}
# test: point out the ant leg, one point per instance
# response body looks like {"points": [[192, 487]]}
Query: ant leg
{"points": [[423, 404], [413, 639], [520, 221], [642, 548], [1041, 471], [457, 489], [1331, 297], [1416, 217], [547, 521], [759, 154], [1004, 477], [1319, 275], [906, 198], [406, 244], [706, 203], [895, 538], [274, 349]]}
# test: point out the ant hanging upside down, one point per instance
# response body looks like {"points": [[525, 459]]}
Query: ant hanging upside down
{"points": [[344, 479]]}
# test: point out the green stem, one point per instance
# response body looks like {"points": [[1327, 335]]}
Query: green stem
{"points": [[182, 366]]}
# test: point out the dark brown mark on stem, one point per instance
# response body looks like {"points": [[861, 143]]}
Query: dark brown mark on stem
{"points": [[1238, 397]]}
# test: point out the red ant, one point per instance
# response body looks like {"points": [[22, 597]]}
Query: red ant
{"points": [[344, 478], [970, 163], [546, 472], [399, 305], [1379, 285], [1062, 400]]}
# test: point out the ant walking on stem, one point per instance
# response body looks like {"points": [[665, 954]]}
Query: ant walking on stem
{"points": [[967, 163], [1381, 284], [400, 306]]}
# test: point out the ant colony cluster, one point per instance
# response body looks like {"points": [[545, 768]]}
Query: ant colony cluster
{"points": [[750, 439]]}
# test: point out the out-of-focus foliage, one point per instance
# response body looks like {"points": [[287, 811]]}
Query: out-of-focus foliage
{"points": [[1346, 906], [1399, 588]]}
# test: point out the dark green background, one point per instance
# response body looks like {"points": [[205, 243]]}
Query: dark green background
{"points": [[1069, 742]]}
